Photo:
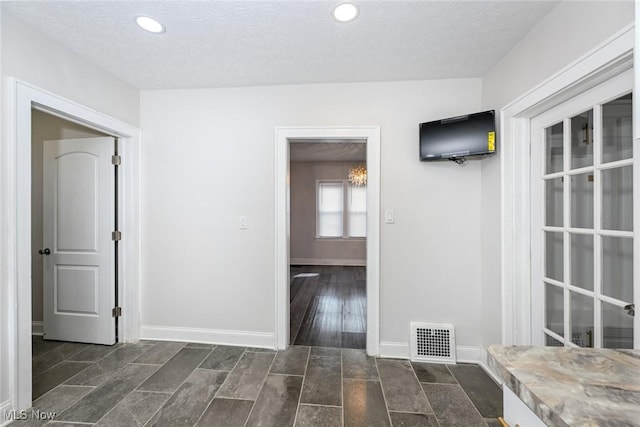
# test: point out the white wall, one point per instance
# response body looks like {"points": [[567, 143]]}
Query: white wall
{"points": [[29, 56], [208, 157], [567, 32], [305, 248], [44, 127], [4, 320]]}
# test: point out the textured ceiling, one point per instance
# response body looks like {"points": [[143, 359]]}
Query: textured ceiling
{"points": [[245, 43], [328, 152]]}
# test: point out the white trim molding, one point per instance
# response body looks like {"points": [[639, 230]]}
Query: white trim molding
{"points": [[402, 350], [364, 134], [21, 98], [469, 354], [5, 408], [395, 350], [610, 58], [208, 336], [37, 328], [329, 261]]}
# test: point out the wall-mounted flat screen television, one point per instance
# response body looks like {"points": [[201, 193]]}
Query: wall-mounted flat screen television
{"points": [[459, 137]]}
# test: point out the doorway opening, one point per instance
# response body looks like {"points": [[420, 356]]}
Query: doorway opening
{"points": [[16, 203], [328, 217], [609, 59], [74, 260], [366, 301], [582, 219], [48, 129]]}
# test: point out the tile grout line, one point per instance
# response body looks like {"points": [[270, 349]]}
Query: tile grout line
{"points": [[65, 385], [261, 387], [72, 402], [321, 405], [53, 423], [214, 395], [384, 396], [411, 412], [306, 365], [177, 388], [113, 350], [227, 379], [61, 362], [285, 375], [470, 401], [463, 390], [96, 363], [42, 340], [155, 345], [420, 385], [342, 385], [185, 380], [128, 394], [452, 374]]}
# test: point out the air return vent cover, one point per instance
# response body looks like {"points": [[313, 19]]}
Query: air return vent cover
{"points": [[433, 342]]}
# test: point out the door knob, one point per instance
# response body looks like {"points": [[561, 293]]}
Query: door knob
{"points": [[44, 251], [631, 309]]}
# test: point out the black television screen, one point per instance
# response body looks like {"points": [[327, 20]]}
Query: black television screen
{"points": [[458, 137]]}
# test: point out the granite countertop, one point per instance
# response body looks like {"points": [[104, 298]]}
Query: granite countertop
{"points": [[573, 386]]}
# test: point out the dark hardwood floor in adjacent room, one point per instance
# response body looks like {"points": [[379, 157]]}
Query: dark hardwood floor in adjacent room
{"points": [[328, 306]]}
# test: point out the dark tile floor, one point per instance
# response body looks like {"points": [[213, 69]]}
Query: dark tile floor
{"points": [[177, 384]]}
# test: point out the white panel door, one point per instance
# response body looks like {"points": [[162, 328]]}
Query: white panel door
{"points": [[583, 220], [78, 215]]}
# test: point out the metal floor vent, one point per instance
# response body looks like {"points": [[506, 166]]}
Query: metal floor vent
{"points": [[433, 342]]}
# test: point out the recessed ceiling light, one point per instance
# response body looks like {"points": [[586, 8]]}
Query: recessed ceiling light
{"points": [[150, 24], [345, 12]]}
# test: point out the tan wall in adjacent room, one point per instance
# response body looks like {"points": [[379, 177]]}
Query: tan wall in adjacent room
{"points": [[305, 247]]}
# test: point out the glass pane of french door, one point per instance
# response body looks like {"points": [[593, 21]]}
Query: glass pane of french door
{"points": [[583, 234]]}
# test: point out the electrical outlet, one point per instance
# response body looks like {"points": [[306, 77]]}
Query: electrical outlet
{"points": [[243, 223]]}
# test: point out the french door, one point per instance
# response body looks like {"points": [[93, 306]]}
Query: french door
{"points": [[583, 220]]}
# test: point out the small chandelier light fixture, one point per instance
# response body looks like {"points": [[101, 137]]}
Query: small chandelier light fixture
{"points": [[358, 176]]}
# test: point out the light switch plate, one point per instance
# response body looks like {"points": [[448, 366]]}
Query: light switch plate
{"points": [[389, 216]]}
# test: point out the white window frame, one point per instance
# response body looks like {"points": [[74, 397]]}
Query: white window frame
{"points": [[345, 212]]}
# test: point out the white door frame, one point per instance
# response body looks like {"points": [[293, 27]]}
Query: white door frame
{"points": [[370, 135], [16, 212], [610, 58]]}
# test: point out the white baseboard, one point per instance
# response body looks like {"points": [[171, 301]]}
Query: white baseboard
{"points": [[328, 261], [208, 336], [5, 408], [394, 350], [37, 328], [401, 350], [468, 354]]}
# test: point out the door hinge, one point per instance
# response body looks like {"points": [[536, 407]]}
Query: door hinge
{"points": [[116, 160], [116, 236], [116, 312]]}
